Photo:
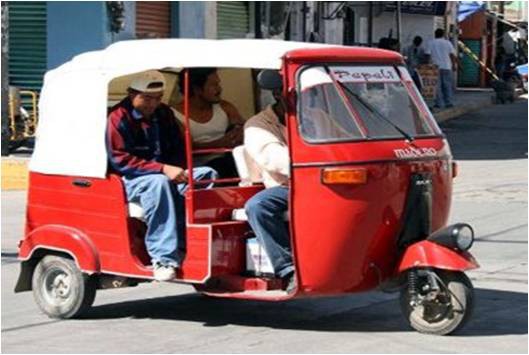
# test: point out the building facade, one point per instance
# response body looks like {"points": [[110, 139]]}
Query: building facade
{"points": [[44, 35]]}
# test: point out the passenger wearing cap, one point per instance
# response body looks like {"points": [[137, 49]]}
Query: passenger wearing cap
{"points": [[146, 148]]}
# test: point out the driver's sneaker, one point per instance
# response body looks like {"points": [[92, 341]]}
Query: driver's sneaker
{"points": [[164, 272]]}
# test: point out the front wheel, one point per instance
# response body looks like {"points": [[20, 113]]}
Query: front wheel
{"points": [[60, 289], [439, 302]]}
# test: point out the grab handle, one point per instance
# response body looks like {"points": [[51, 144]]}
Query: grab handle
{"points": [[82, 183]]}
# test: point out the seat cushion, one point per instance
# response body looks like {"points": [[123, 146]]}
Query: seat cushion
{"points": [[136, 211]]}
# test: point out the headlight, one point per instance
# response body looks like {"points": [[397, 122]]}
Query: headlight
{"points": [[464, 237], [457, 236]]}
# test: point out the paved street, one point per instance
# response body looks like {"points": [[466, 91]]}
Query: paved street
{"points": [[490, 193]]}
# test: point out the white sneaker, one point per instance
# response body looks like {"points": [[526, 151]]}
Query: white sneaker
{"points": [[164, 272]]}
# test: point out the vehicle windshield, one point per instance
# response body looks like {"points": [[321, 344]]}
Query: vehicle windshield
{"points": [[340, 103]]}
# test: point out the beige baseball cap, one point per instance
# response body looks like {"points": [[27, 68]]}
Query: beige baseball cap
{"points": [[149, 81]]}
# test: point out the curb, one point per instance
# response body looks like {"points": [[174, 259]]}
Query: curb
{"points": [[14, 173], [457, 111]]}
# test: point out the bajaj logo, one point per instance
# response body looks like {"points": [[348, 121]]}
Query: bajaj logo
{"points": [[415, 152]]}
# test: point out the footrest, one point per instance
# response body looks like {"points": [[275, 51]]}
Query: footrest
{"points": [[233, 283]]}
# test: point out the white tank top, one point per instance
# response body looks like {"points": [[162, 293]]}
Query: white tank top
{"points": [[212, 130]]}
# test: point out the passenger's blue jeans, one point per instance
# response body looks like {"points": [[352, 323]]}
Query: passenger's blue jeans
{"points": [[265, 212], [444, 91], [164, 208]]}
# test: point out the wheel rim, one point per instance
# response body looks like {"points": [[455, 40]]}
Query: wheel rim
{"points": [[56, 287], [436, 310]]}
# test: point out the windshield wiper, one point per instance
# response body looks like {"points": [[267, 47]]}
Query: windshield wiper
{"points": [[367, 105]]}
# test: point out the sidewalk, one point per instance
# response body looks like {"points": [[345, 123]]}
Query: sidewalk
{"points": [[465, 100], [15, 171]]}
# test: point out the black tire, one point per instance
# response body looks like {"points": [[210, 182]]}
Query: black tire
{"points": [[60, 289], [449, 312]]}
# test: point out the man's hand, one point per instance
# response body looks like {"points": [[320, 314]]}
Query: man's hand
{"points": [[234, 137], [175, 173]]}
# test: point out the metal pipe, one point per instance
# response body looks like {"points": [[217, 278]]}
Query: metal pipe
{"points": [[399, 23], [304, 21], [189, 195], [5, 79]]}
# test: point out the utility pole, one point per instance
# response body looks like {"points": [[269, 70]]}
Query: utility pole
{"points": [[370, 25], [399, 24], [5, 80]]}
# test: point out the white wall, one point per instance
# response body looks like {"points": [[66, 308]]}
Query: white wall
{"points": [[412, 25]]}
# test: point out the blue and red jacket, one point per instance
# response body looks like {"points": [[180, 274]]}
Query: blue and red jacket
{"points": [[138, 146]]}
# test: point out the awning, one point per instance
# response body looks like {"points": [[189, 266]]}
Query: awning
{"points": [[469, 8]]}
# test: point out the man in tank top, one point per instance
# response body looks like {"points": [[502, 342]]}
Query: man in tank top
{"points": [[214, 123]]}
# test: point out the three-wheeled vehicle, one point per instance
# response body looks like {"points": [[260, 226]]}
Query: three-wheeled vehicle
{"points": [[370, 184]]}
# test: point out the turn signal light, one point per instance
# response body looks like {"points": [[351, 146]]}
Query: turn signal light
{"points": [[344, 176]]}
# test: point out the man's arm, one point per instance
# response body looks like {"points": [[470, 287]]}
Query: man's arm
{"points": [[453, 57], [231, 111], [267, 151], [454, 60]]}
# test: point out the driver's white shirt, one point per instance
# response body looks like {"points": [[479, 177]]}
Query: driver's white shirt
{"points": [[265, 143]]}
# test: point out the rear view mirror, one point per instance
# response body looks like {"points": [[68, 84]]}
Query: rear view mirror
{"points": [[269, 80]]}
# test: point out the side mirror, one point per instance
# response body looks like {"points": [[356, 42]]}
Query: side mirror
{"points": [[269, 80]]}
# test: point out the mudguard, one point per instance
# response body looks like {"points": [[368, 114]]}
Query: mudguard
{"points": [[64, 239], [430, 254]]}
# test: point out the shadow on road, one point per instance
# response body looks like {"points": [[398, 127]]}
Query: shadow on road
{"points": [[496, 313], [497, 132]]}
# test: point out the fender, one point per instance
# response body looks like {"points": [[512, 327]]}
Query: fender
{"points": [[65, 239], [430, 254]]}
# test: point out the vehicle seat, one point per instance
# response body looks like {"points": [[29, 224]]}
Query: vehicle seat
{"points": [[243, 164], [136, 211], [248, 177]]}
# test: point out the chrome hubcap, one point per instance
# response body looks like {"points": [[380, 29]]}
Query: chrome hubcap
{"points": [[57, 286]]}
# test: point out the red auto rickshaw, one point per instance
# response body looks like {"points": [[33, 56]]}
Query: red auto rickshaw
{"points": [[370, 187]]}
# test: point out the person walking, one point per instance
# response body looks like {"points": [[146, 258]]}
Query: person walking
{"points": [[441, 52], [414, 55]]}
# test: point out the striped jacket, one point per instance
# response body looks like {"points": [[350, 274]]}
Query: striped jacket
{"points": [[137, 146]]}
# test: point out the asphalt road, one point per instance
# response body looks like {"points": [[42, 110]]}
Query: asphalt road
{"points": [[490, 193]]}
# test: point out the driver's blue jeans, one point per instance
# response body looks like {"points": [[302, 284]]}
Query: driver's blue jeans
{"points": [[265, 211], [163, 205]]}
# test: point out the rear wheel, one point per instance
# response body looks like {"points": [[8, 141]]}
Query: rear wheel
{"points": [[60, 289], [441, 308]]}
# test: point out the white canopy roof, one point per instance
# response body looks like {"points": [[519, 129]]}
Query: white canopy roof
{"points": [[73, 103]]}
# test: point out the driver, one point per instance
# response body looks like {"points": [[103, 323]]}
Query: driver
{"points": [[266, 144], [146, 148]]}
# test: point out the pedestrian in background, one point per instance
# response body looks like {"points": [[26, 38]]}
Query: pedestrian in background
{"points": [[441, 53], [415, 56]]}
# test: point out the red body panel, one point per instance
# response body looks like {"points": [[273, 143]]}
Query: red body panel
{"points": [[430, 254], [345, 236], [91, 223], [64, 239], [340, 54]]}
